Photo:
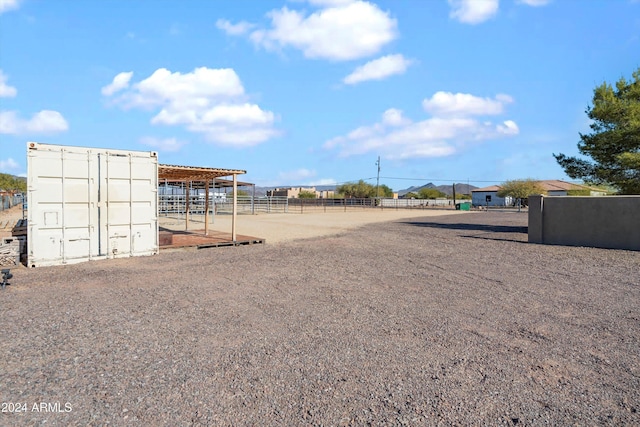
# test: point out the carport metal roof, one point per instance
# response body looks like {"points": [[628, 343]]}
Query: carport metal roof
{"points": [[194, 173]]}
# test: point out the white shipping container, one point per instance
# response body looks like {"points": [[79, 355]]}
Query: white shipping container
{"points": [[90, 203]]}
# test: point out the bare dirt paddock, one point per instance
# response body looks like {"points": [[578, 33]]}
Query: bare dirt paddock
{"points": [[426, 321]]}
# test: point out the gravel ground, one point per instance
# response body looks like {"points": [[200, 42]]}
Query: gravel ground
{"points": [[427, 321]]}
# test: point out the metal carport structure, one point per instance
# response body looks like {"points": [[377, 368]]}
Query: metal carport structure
{"points": [[206, 175]]}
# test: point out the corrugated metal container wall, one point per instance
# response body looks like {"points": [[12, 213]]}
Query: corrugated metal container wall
{"points": [[89, 203]]}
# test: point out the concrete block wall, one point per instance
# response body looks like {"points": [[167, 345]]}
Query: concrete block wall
{"points": [[602, 222]]}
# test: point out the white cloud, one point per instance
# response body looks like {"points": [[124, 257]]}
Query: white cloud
{"points": [[296, 176], [394, 117], [330, 2], [8, 165], [6, 91], [44, 122], [238, 29], [508, 127], [535, 2], [379, 69], [473, 11], [7, 5], [207, 101], [302, 176], [443, 134], [166, 144], [464, 104], [323, 181], [340, 30], [121, 81]]}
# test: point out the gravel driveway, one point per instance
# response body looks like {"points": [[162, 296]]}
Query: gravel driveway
{"points": [[428, 321]]}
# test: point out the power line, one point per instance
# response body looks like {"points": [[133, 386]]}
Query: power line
{"points": [[458, 181], [440, 180], [461, 180]]}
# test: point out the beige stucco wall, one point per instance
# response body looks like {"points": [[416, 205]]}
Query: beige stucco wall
{"points": [[603, 222]]}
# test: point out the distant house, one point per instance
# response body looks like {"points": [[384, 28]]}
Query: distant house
{"points": [[294, 192], [556, 187], [488, 196]]}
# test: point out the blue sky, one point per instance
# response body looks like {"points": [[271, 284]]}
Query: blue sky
{"points": [[313, 91]]}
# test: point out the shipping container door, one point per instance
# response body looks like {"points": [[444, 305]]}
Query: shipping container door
{"points": [[63, 206], [128, 216]]}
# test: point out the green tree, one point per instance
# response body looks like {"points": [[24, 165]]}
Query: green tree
{"points": [[363, 190], [520, 189], [12, 184], [614, 143], [430, 193], [384, 191], [359, 190], [307, 195], [411, 195]]}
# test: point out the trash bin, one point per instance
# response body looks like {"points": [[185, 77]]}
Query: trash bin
{"points": [[463, 206]]}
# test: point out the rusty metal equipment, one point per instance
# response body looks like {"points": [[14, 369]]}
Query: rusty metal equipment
{"points": [[6, 275]]}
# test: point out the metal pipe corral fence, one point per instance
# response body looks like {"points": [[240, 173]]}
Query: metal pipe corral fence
{"points": [[8, 201]]}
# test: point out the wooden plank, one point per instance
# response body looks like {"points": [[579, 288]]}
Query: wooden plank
{"points": [[236, 243], [9, 252], [20, 229]]}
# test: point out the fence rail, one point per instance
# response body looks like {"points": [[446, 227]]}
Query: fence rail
{"points": [[251, 205], [416, 203], [346, 205], [175, 205]]}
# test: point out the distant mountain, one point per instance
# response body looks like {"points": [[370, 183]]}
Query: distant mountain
{"points": [[446, 189]]}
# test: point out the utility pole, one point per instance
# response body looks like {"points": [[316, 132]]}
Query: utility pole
{"points": [[454, 194], [378, 179]]}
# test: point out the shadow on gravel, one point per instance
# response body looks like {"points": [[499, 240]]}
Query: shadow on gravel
{"points": [[496, 232], [498, 239], [472, 227]]}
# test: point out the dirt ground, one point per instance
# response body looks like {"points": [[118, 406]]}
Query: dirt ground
{"points": [[449, 320], [285, 227]]}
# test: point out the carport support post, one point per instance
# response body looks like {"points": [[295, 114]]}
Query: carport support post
{"points": [[253, 197], [235, 207], [206, 207], [186, 211]]}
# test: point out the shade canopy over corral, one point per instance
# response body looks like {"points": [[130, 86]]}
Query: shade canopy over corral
{"points": [[194, 173], [191, 174]]}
